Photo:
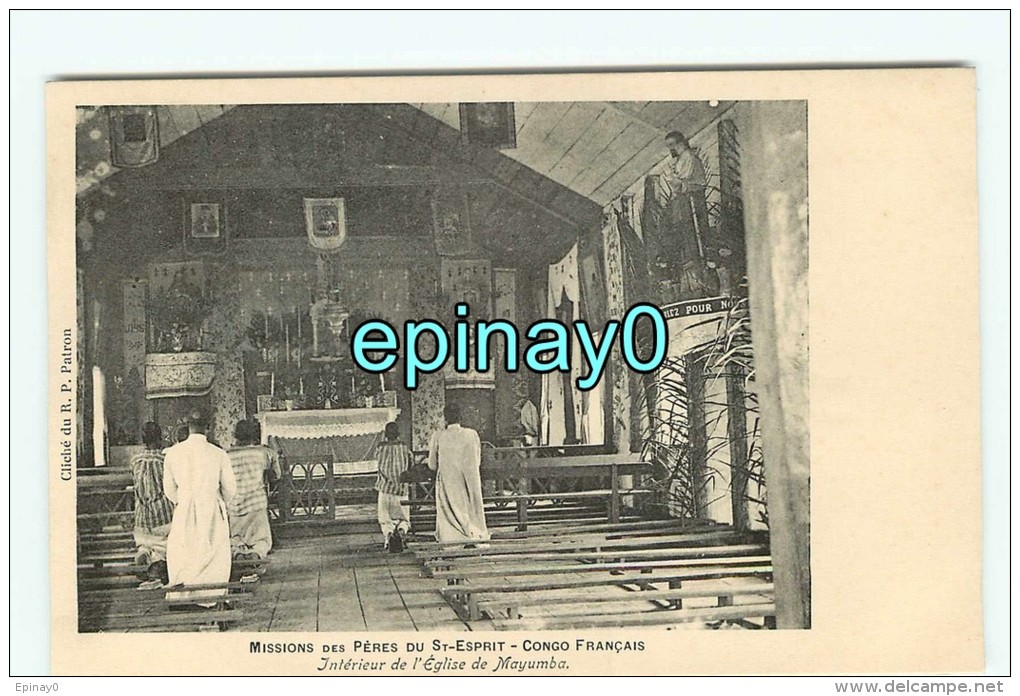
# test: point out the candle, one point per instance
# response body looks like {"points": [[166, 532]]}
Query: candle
{"points": [[286, 334], [272, 384], [266, 318]]}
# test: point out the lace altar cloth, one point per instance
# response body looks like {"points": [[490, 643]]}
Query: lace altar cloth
{"points": [[347, 436]]}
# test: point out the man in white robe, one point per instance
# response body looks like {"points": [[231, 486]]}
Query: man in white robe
{"points": [[455, 454], [198, 478]]}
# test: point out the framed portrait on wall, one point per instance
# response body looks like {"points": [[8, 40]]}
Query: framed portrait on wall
{"points": [[205, 227], [450, 222], [205, 220], [489, 124], [326, 222]]}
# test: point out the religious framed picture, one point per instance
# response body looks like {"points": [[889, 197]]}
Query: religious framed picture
{"points": [[205, 220], [326, 222], [489, 124], [450, 223], [205, 227]]}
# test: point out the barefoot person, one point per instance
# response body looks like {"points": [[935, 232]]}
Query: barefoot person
{"points": [[153, 510], [394, 458], [455, 454], [198, 478]]}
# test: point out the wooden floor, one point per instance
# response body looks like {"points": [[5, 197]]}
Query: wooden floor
{"points": [[346, 584], [335, 577]]}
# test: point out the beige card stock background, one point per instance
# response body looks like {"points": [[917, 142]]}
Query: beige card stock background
{"points": [[894, 374]]}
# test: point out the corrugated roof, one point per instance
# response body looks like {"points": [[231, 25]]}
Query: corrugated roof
{"points": [[596, 149]]}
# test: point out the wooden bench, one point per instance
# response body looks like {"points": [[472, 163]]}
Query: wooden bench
{"points": [[594, 560], [464, 595], [130, 608], [516, 512], [738, 613], [522, 470], [119, 565], [613, 527], [566, 544], [459, 573], [109, 597], [512, 603]]}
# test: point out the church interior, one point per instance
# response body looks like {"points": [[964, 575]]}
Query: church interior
{"points": [[227, 253]]}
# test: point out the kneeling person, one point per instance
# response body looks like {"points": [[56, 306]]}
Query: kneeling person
{"points": [[250, 535], [394, 458], [197, 477], [153, 510]]}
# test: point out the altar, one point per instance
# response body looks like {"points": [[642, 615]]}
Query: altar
{"points": [[347, 437]]}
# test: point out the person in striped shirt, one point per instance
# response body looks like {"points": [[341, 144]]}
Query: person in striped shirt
{"points": [[250, 534], [153, 510], [394, 458]]}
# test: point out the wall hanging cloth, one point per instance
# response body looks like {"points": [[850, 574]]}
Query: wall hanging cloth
{"points": [[134, 136]]}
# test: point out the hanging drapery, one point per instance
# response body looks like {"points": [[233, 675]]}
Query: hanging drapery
{"points": [[326, 223], [592, 281], [451, 223], [616, 307], [98, 416], [134, 136], [561, 405], [594, 293]]}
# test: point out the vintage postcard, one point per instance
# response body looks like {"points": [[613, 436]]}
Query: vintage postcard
{"points": [[511, 375]]}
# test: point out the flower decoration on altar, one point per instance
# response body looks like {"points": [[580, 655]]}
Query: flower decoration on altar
{"points": [[179, 316]]}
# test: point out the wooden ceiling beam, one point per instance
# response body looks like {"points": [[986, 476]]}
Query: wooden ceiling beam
{"points": [[470, 157]]}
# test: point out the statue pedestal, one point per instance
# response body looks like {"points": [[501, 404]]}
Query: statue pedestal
{"points": [[179, 374]]}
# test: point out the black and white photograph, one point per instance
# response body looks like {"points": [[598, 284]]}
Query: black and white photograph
{"points": [[238, 471]]}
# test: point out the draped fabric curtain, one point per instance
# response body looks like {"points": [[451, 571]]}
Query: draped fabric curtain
{"points": [[99, 416], [564, 286]]}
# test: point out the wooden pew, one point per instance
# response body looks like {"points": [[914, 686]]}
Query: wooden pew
{"points": [[592, 565], [546, 509], [464, 594], [512, 604], [566, 544], [109, 598], [461, 572], [126, 609], [737, 613], [613, 527], [540, 564], [521, 471]]}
